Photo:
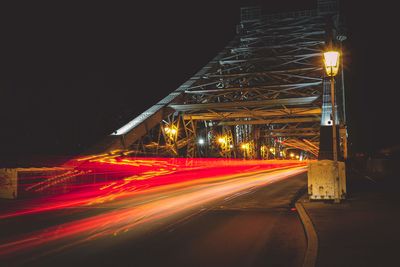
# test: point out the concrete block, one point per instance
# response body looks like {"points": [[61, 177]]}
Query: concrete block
{"points": [[8, 183], [321, 179]]}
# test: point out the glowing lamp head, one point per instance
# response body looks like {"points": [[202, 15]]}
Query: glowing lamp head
{"points": [[297, 156], [201, 141], [291, 155], [331, 61]]}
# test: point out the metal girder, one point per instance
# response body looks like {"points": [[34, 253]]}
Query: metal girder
{"points": [[265, 86], [264, 103], [302, 144], [282, 83], [292, 130], [256, 88], [271, 121], [291, 58], [274, 91], [263, 73], [253, 113], [137, 128], [133, 131], [292, 134], [252, 49]]}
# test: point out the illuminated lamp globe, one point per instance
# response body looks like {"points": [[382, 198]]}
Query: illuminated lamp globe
{"points": [[331, 61]]}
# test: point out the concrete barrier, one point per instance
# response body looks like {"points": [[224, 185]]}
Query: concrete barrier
{"points": [[321, 179], [17, 182], [8, 183]]}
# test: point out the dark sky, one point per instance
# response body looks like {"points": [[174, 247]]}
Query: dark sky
{"points": [[72, 73]]}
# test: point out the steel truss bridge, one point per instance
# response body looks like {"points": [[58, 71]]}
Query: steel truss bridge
{"points": [[263, 95]]}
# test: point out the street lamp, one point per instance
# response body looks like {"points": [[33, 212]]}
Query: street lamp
{"points": [[331, 61]]}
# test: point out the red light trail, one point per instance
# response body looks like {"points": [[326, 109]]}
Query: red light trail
{"points": [[142, 191]]}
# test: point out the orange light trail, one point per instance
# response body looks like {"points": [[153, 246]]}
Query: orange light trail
{"points": [[145, 191], [128, 177]]}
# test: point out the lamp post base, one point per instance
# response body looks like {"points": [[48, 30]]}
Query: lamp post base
{"points": [[327, 180]]}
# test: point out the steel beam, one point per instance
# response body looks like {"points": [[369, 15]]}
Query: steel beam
{"points": [[253, 113], [255, 88], [264, 103], [292, 130], [275, 121], [304, 134], [268, 82]]}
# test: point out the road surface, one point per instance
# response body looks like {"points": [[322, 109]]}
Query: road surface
{"points": [[241, 219]]}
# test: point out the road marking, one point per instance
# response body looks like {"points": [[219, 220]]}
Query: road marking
{"points": [[310, 257], [369, 178], [365, 176]]}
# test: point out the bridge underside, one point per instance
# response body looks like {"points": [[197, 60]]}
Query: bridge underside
{"points": [[260, 97]]}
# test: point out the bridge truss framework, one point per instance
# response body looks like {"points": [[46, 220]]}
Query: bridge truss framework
{"points": [[260, 97]]}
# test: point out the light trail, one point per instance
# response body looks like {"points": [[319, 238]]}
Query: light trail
{"points": [[145, 199], [131, 176]]}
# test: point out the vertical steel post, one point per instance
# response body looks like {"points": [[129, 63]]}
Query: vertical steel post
{"points": [[344, 135], [334, 142], [342, 84]]}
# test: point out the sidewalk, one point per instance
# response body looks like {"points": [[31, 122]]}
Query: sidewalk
{"points": [[364, 229]]}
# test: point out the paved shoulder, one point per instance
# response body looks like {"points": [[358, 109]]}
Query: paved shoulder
{"points": [[362, 230]]}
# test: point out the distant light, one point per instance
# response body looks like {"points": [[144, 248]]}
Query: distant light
{"points": [[297, 156], [170, 131], [201, 141], [222, 140], [291, 155], [231, 146]]}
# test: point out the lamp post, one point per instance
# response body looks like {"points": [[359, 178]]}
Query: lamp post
{"points": [[331, 61]]}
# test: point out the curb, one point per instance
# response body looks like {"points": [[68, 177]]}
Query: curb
{"points": [[310, 257]]}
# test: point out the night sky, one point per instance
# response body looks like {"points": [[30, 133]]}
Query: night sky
{"points": [[72, 73]]}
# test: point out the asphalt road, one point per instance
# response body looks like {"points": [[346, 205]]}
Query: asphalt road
{"points": [[245, 220]]}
